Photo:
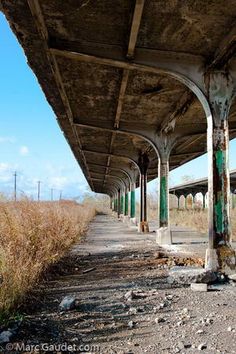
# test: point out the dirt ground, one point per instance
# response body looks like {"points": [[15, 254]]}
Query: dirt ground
{"points": [[124, 301]]}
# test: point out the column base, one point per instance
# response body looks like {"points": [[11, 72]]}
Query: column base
{"points": [[143, 227], [222, 259], [121, 216], [164, 236]]}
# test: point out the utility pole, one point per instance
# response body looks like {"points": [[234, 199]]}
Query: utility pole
{"points": [[51, 194], [39, 183], [15, 175], [60, 195]]}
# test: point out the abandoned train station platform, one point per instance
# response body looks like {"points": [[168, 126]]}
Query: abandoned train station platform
{"points": [[139, 88], [125, 301]]}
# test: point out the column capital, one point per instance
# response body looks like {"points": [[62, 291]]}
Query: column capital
{"points": [[220, 88], [164, 143], [143, 162]]}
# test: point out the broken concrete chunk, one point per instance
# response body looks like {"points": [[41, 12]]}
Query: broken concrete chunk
{"points": [[131, 324], [68, 303], [188, 275], [129, 295], [199, 287]]}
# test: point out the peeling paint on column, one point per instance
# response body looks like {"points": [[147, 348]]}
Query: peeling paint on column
{"points": [[132, 204], [219, 215], [220, 254], [220, 205], [163, 202], [220, 161]]}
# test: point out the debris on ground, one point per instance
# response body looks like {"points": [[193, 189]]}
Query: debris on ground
{"points": [[128, 305], [199, 287], [188, 275], [89, 270], [68, 303]]}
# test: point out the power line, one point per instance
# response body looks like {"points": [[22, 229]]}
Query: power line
{"points": [[15, 175], [39, 183]]}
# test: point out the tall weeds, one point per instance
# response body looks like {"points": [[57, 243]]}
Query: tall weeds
{"points": [[194, 219], [32, 236]]}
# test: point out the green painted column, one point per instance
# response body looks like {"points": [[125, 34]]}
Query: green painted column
{"points": [[163, 194], [122, 203], [126, 202], [132, 201], [220, 254], [118, 204]]}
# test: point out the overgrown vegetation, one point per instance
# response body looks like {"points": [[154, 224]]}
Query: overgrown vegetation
{"points": [[194, 219], [198, 220], [33, 236]]}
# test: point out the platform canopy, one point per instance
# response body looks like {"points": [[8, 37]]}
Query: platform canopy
{"points": [[199, 186], [115, 72]]}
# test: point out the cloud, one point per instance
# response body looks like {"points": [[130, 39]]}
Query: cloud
{"points": [[58, 182], [5, 172], [24, 150], [6, 139]]}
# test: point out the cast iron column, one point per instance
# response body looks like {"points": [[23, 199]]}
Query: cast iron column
{"points": [[220, 255]]}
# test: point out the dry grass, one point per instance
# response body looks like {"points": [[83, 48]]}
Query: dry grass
{"points": [[195, 219], [34, 235], [198, 220]]}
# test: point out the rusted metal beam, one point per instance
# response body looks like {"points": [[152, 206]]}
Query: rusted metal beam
{"points": [[123, 86], [112, 155], [180, 109], [225, 50], [140, 63], [116, 53], [138, 11], [125, 76], [111, 168], [43, 32], [191, 141]]}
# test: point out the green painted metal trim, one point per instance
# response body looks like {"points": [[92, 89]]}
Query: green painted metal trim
{"points": [[132, 204]]}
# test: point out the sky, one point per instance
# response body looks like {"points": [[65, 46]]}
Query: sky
{"points": [[32, 143]]}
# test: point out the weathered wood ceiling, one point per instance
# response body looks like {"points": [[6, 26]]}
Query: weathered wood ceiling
{"points": [[86, 55]]}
